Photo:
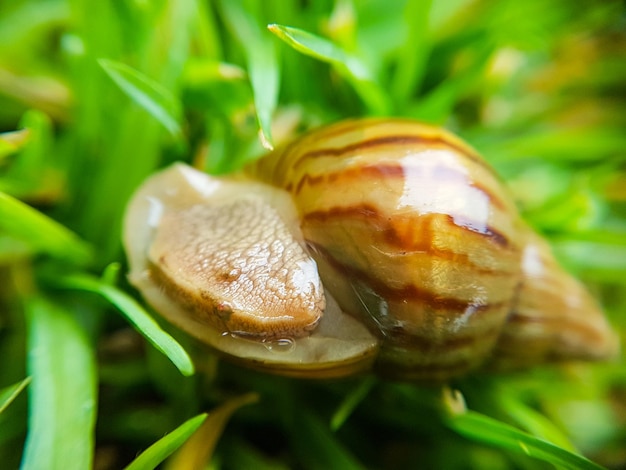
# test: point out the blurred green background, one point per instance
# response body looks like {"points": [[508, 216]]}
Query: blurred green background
{"points": [[96, 95]]}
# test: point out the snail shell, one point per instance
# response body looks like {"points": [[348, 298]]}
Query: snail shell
{"points": [[427, 270]]}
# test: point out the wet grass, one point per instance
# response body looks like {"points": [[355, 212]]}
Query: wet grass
{"points": [[95, 96]]}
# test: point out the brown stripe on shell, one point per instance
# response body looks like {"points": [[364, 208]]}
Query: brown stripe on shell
{"points": [[401, 235], [409, 292], [491, 233], [389, 171], [401, 337], [344, 176], [495, 200], [432, 372], [418, 374], [400, 139], [556, 324]]}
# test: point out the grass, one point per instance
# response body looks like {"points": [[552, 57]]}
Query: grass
{"points": [[95, 96]]}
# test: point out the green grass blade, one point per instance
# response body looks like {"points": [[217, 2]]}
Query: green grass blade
{"points": [[39, 150], [206, 32], [200, 72], [111, 273], [26, 224], [62, 395], [318, 447], [11, 142], [480, 428], [29, 175], [311, 44], [198, 450], [263, 66], [348, 66], [561, 144], [164, 447], [596, 260], [147, 93], [438, 104], [412, 56], [535, 423], [350, 402], [239, 454], [8, 394], [142, 321]]}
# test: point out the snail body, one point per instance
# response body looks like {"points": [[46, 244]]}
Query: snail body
{"points": [[427, 271]]}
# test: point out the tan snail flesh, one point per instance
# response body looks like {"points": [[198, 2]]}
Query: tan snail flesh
{"points": [[427, 270]]}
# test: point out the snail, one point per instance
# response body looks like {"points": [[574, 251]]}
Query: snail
{"points": [[371, 244]]}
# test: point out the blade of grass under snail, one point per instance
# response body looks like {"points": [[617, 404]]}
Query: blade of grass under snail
{"points": [[8, 394], [240, 454], [348, 66], [317, 447], [142, 321], [263, 65], [111, 273], [164, 447], [62, 394], [350, 402], [511, 399], [481, 428], [42, 233], [199, 448], [147, 93], [534, 422]]}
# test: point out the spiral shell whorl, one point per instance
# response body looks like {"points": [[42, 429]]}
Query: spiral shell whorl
{"points": [[412, 232]]}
